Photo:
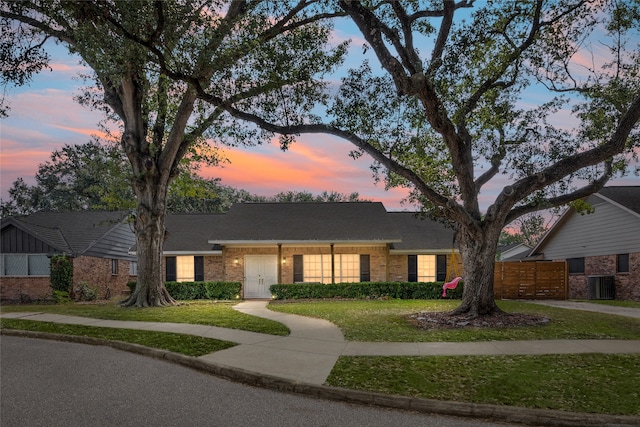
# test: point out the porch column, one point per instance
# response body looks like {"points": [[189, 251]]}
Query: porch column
{"points": [[333, 267]]}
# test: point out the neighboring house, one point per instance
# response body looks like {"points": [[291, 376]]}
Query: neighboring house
{"points": [[260, 244], [97, 242], [601, 247], [513, 252]]}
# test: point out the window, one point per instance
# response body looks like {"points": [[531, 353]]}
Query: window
{"points": [[576, 265], [114, 266], [426, 268], [348, 268], [133, 268], [316, 268], [24, 265], [184, 269], [622, 263]]}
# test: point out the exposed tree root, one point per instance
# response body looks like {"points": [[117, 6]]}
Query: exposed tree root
{"points": [[501, 319]]}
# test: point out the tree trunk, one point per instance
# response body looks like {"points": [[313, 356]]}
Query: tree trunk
{"points": [[150, 235], [478, 248]]}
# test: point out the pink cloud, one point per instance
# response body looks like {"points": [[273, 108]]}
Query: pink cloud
{"points": [[315, 164]]}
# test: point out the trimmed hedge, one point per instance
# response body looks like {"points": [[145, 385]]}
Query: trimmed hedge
{"points": [[365, 290], [200, 290]]}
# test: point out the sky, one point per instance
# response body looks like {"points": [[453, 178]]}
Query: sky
{"points": [[44, 117]]}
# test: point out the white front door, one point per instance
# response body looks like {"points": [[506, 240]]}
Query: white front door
{"points": [[260, 272]]}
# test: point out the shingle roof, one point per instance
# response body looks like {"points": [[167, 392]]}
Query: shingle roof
{"points": [[420, 233], [71, 232], [190, 232], [306, 222], [627, 196]]}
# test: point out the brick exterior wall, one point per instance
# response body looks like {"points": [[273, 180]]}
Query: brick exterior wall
{"points": [[627, 284], [25, 288], [213, 268], [96, 272]]}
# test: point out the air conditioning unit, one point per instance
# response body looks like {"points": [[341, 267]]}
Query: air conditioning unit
{"points": [[602, 287]]}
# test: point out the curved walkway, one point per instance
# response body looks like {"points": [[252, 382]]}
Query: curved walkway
{"points": [[309, 353]]}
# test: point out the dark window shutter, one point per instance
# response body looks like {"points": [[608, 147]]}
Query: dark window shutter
{"points": [[298, 273], [441, 268], [198, 268], [365, 271], [413, 268], [171, 270]]}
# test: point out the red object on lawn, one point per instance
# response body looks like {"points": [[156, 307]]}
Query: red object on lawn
{"points": [[450, 285]]}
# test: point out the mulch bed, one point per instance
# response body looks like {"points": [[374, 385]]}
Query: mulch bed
{"points": [[444, 320]]}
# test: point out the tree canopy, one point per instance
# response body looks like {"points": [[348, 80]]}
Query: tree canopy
{"points": [[444, 115], [151, 59]]}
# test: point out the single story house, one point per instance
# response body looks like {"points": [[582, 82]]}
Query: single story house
{"points": [[602, 248], [259, 244], [97, 242]]}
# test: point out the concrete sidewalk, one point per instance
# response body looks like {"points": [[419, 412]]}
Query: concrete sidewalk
{"points": [[587, 306], [311, 350]]}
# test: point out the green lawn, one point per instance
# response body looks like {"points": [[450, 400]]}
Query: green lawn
{"points": [[178, 343], [597, 383], [195, 312], [387, 321]]}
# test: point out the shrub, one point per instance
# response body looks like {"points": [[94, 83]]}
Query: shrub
{"points": [[203, 290], [61, 275], [132, 286], [84, 292], [61, 297], [364, 290]]}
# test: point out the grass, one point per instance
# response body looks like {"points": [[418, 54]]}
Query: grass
{"points": [[195, 312], [592, 383], [178, 343], [386, 321]]}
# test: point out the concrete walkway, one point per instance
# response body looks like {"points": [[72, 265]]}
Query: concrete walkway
{"points": [[309, 353]]}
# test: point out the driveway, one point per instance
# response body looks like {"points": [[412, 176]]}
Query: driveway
{"points": [[51, 383]]}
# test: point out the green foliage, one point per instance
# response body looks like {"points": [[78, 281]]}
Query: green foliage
{"points": [[587, 383], [84, 292], [178, 343], [61, 297], [204, 290], [582, 207], [364, 290], [61, 273]]}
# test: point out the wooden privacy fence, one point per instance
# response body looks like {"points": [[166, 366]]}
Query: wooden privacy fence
{"points": [[531, 280]]}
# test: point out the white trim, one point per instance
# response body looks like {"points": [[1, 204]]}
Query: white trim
{"points": [[257, 243], [422, 251], [170, 253], [618, 205]]}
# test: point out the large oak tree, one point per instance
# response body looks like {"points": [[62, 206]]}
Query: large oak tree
{"points": [[151, 59], [447, 115]]}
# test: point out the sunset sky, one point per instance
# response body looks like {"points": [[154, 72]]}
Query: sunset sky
{"points": [[44, 117]]}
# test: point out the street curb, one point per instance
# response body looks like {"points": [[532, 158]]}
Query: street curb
{"points": [[510, 414]]}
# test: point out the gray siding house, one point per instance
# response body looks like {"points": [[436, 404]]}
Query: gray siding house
{"points": [[97, 242], [603, 245]]}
